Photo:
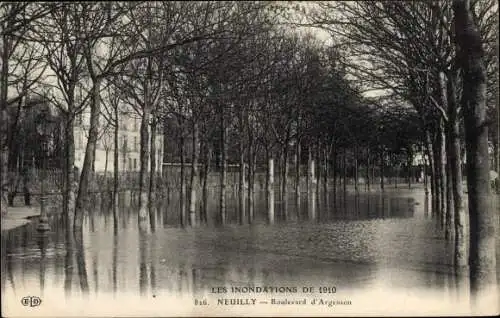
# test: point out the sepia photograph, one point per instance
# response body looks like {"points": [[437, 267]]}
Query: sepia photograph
{"points": [[249, 158]]}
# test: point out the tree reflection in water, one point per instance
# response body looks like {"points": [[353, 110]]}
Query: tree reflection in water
{"points": [[80, 260], [171, 261], [115, 258], [42, 245], [143, 275], [69, 263]]}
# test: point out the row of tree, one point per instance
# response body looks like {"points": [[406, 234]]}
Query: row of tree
{"points": [[440, 57], [225, 74]]}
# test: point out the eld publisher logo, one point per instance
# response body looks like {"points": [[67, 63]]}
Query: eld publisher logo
{"points": [[31, 301]]}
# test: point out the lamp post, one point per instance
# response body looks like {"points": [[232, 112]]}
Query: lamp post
{"points": [[43, 125]]}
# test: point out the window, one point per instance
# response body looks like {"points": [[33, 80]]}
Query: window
{"points": [[135, 144], [124, 143], [130, 164], [135, 163], [135, 123]]}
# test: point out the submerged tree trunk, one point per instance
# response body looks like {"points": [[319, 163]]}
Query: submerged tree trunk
{"points": [[116, 170], [223, 172], [70, 177], [442, 170], [270, 189], [241, 176], [424, 169], [356, 185], [251, 184], [241, 188], [312, 177], [144, 161], [297, 169], [450, 218], [436, 151], [455, 162], [432, 169], [284, 178], [325, 170], [194, 175], [106, 157], [446, 133], [317, 169], [308, 174], [182, 189], [482, 218], [344, 170], [382, 170], [204, 191], [152, 159], [409, 165], [368, 168], [334, 172], [95, 109], [251, 171]]}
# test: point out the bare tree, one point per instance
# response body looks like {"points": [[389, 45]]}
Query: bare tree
{"points": [[482, 218], [20, 69]]}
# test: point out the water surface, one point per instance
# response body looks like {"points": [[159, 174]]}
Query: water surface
{"points": [[371, 253]]}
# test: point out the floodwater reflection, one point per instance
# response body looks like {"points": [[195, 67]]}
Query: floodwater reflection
{"points": [[356, 242]]}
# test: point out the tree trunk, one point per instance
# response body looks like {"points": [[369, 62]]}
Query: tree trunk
{"points": [[206, 167], [368, 167], [297, 169], [312, 177], [95, 109], [194, 175], [456, 175], [182, 189], [308, 174], [4, 124], [311, 195], [450, 227], [251, 180], [241, 188], [382, 170], [409, 165], [334, 172], [152, 170], [424, 168], [432, 169], [437, 176], [115, 169], [284, 179], [344, 170], [223, 172], [270, 189], [482, 217], [144, 161], [317, 169], [71, 178], [279, 172], [356, 185], [106, 157], [442, 170], [325, 170], [450, 221]]}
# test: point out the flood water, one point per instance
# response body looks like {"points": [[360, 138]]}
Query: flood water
{"points": [[370, 253]]}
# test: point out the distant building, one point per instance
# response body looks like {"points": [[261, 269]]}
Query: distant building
{"points": [[128, 139]]}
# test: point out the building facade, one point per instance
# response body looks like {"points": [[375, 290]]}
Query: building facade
{"points": [[128, 139]]}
